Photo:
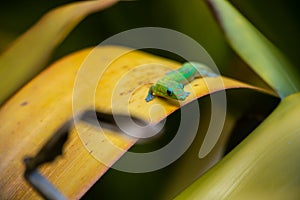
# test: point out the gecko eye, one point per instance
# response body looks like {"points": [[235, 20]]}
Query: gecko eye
{"points": [[169, 91]]}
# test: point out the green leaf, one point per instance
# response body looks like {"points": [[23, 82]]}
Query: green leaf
{"points": [[256, 50], [264, 166], [29, 53]]}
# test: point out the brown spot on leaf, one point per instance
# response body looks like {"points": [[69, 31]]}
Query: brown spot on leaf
{"points": [[24, 103]]}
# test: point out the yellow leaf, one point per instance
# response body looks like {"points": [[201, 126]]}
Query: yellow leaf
{"points": [[30, 117]]}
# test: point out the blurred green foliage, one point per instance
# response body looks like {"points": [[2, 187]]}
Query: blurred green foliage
{"points": [[278, 21]]}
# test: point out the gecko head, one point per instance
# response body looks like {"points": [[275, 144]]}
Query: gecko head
{"points": [[171, 90]]}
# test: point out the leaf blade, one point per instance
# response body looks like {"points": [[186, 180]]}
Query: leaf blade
{"points": [[29, 53], [262, 160], [35, 123], [257, 51]]}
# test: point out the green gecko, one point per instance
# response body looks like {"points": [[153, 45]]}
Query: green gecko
{"points": [[171, 86]]}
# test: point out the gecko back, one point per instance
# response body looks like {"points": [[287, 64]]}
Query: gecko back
{"points": [[189, 71], [200, 70]]}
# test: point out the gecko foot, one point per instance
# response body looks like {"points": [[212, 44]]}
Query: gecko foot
{"points": [[149, 97]]}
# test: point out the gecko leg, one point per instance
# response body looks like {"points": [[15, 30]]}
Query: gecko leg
{"points": [[150, 95]]}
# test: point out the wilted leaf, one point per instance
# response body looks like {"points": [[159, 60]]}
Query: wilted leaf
{"points": [[37, 110]]}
